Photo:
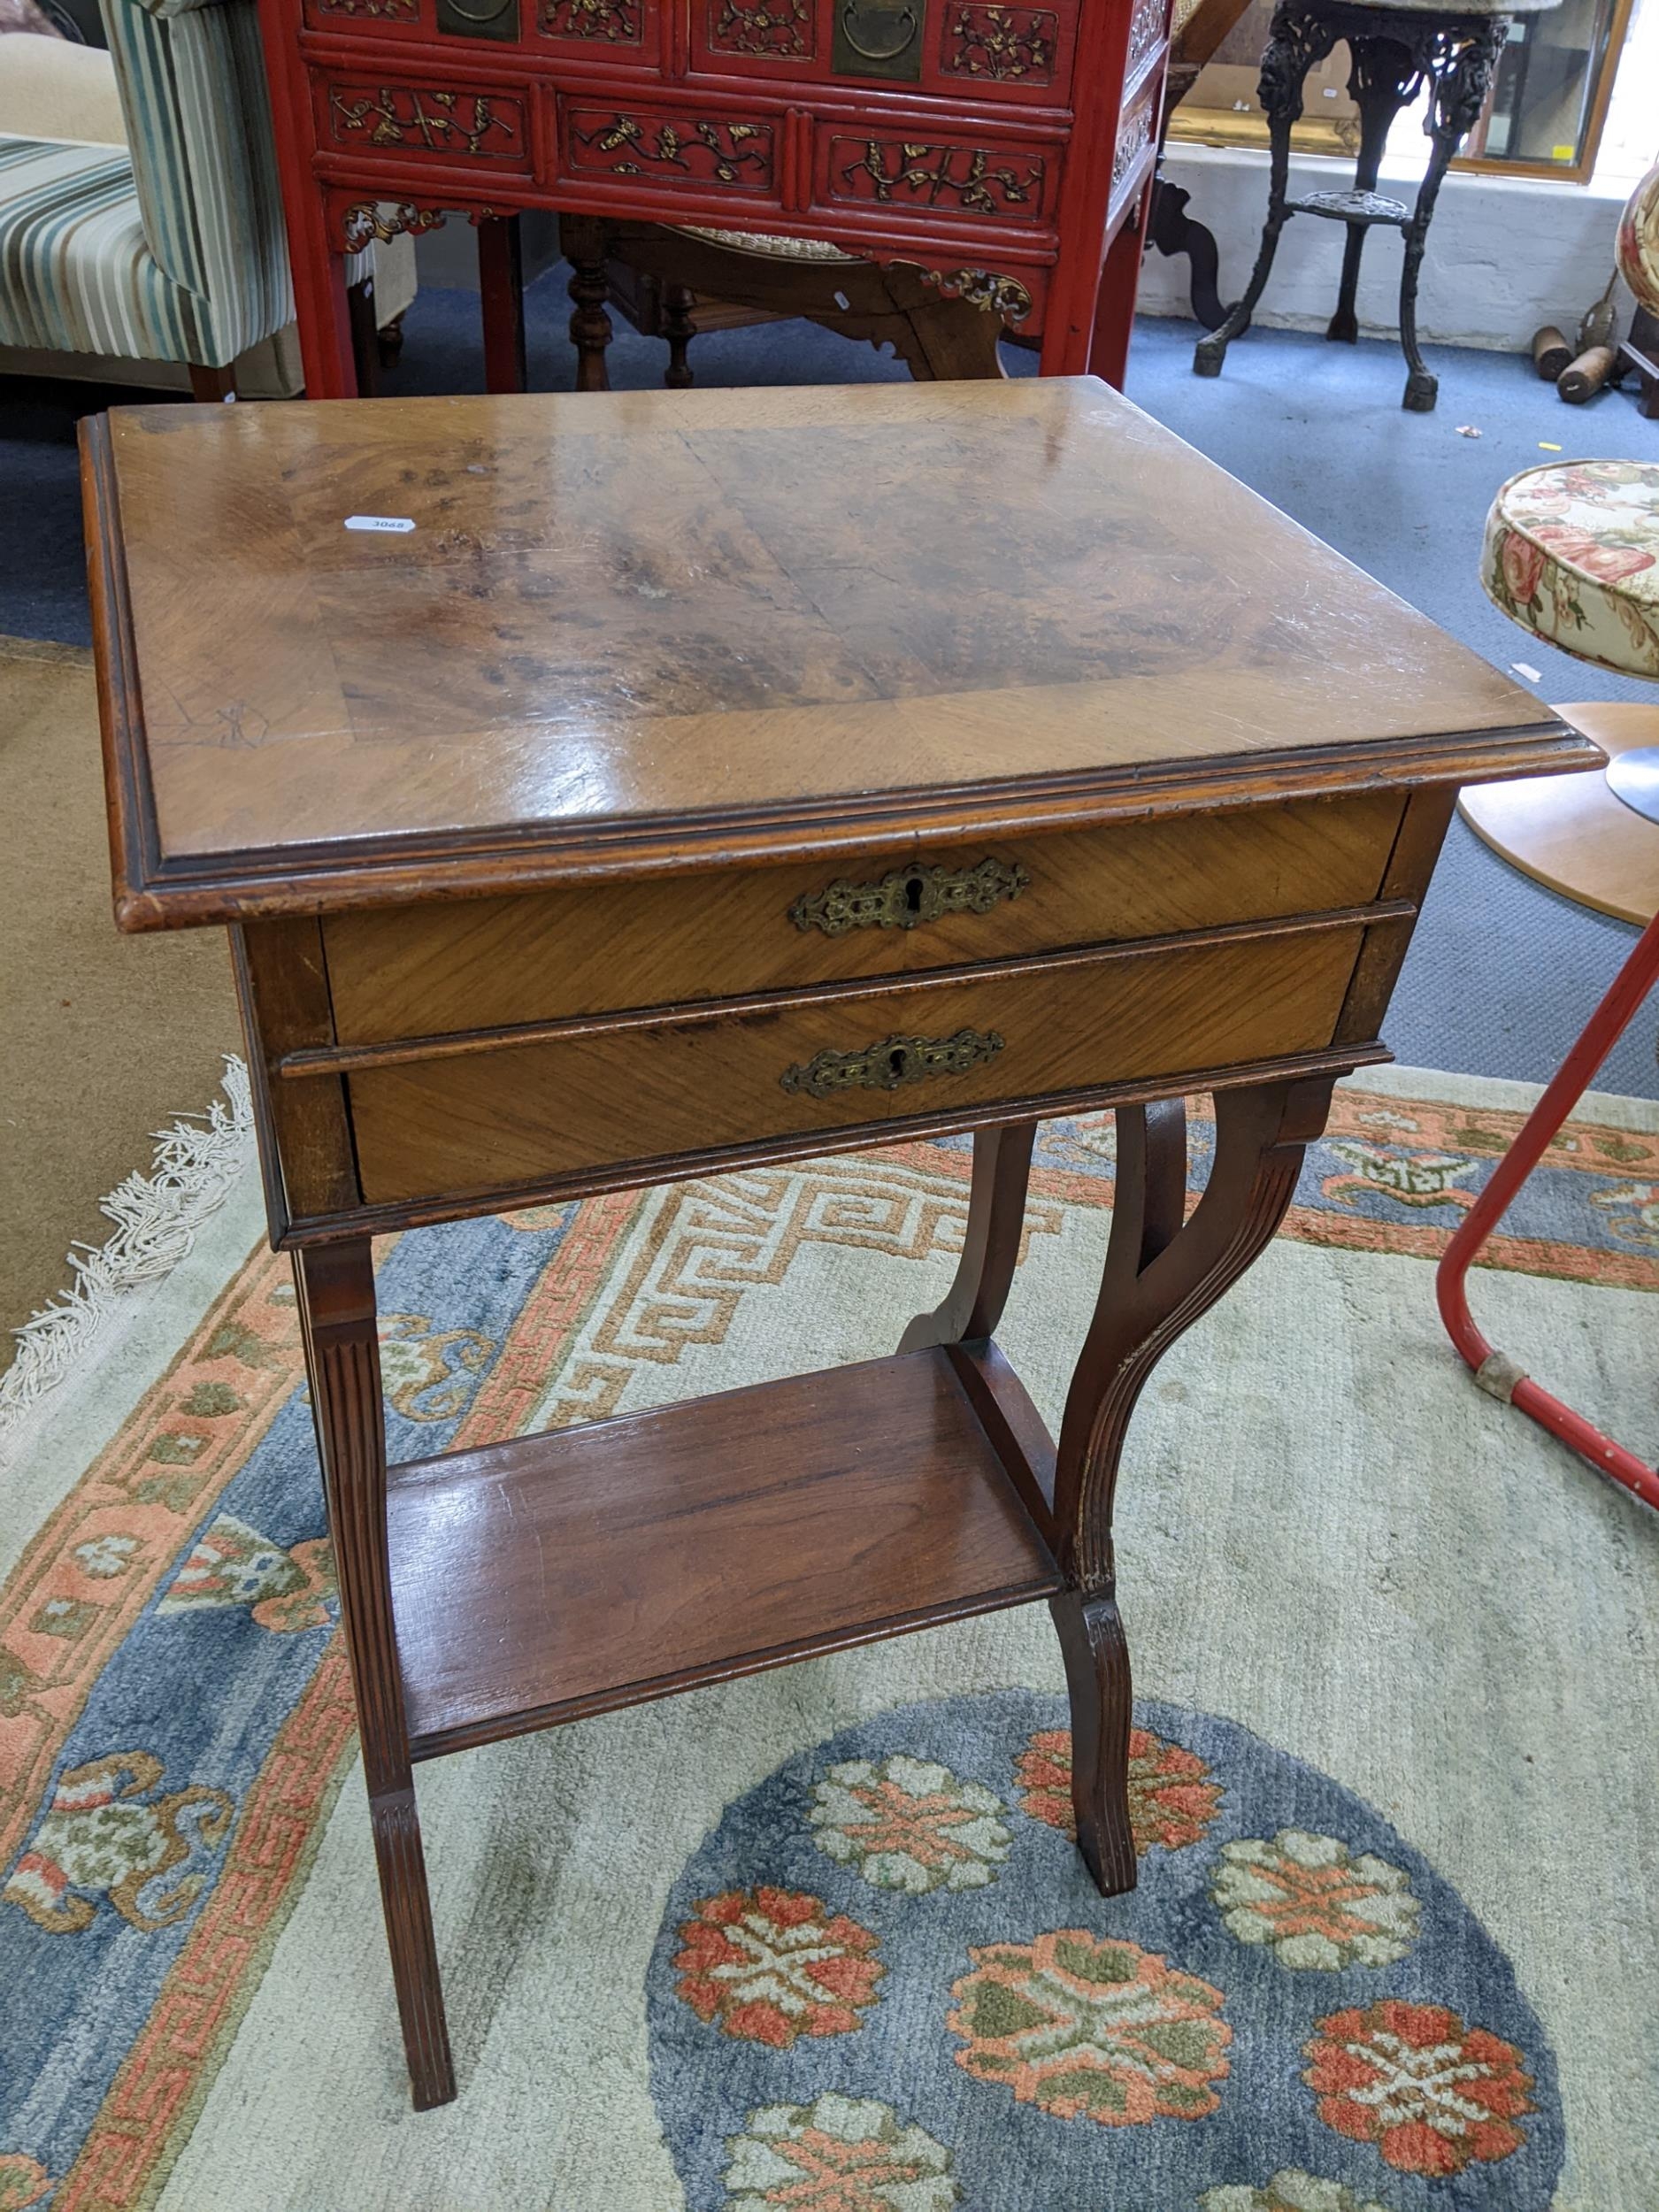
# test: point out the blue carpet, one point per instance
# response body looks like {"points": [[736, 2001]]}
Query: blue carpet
{"points": [[1501, 974]]}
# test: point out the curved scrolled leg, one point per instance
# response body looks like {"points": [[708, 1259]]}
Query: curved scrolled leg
{"points": [[1096, 1655], [1297, 38], [990, 1246], [335, 1284], [1163, 1271], [1462, 76]]}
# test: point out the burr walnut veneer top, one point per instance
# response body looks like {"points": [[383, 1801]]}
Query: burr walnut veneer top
{"points": [[634, 631]]}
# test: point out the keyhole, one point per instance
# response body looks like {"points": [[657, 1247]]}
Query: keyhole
{"points": [[895, 1060], [913, 894]]}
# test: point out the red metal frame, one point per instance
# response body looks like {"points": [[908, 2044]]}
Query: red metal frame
{"points": [[1087, 133], [1492, 1369]]}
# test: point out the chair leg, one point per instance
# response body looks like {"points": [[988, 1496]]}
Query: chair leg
{"points": [[1493, 1371], [679, 328], [583, 239], [209, 385]]}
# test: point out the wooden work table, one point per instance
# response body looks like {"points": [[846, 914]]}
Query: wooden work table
{"points": [[708, 779]]}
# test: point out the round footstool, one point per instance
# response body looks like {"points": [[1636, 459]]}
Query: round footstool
{"points": [[1571, 554]]}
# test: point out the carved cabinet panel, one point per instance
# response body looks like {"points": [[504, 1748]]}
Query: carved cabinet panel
{"points": [[994, 45], [757, 30], [372, 17], [623, 31], [416, 122], [682, 148], [1136, 131], [1147, 27], [973, 177]]}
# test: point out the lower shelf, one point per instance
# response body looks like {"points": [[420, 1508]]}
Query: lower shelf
{"points": [[559, 1575]]}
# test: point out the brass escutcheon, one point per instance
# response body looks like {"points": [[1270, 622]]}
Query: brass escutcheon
{"points": [[893, 1062], [908, 896]]}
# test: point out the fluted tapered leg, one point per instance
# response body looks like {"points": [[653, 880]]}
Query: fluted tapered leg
{"points": [[335, 1284]]}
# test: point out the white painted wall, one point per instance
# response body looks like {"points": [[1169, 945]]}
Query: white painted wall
{"points": [[1505, 254]]}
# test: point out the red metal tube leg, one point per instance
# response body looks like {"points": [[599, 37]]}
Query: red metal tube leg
{"points": [[1493, 1371]]}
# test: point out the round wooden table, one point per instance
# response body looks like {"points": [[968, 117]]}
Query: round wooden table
{"points": [[1572, 834]]}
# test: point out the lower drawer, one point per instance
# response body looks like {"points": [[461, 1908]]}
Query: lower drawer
{"points": [[516, 1116]]}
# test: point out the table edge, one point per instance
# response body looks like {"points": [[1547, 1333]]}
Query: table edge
{"points": [[152, 891]]}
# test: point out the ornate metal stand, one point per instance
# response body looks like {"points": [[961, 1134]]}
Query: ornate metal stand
{"points": [[1395, 51]]}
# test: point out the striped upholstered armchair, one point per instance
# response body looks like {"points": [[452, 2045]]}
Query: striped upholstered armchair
{"points": [[169, 246]]}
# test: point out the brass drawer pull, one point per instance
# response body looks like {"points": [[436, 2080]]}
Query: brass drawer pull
{"points": [[910, 895], [894, 1061], [878, 38]]}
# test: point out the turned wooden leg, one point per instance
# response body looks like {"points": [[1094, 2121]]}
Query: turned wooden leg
{"points": [[680, 329], [583, 239], [1162, 1272], [335, 1284], [990, 1245], [501, 293]]}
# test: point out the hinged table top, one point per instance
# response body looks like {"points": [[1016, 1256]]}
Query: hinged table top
{"points": [[632, 631]]}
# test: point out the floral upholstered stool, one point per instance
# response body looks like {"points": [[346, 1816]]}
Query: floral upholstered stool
{"points": [[1571, 554]]}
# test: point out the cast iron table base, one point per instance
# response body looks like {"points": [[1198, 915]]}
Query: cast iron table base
{"points": [[1394, 50]]}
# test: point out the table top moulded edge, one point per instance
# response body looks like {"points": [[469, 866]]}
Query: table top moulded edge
{"points": [[154, 892]]}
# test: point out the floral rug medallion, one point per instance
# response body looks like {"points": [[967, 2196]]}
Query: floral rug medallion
{"points": [[884, 1982]]}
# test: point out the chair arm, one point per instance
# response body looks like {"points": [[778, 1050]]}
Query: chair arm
{"points": [[192, 83]]}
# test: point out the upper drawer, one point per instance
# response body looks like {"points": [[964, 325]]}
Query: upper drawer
{"points": [[515, 1117], [412, 121], [483, 963], [965, 49], [626, 31]]}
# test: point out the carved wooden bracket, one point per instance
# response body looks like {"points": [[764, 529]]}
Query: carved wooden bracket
{"points": [[361, 223]]}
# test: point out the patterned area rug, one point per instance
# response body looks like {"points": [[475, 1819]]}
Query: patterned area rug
{"points": [[818, 1940]]}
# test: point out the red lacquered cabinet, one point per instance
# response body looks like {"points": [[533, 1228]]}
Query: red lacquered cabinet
{"points": [[1005, 152]]}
